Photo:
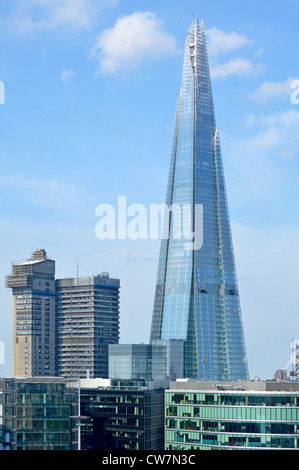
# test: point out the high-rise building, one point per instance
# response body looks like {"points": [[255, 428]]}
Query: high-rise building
{"points": [[63, 327], [33, 286], [196, 297], [87, 321]]}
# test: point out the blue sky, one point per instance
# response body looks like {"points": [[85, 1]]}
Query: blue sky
{"points": [[90, 95]]}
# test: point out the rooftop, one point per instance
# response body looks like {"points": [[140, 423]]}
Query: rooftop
{"points": [[235, 386]]}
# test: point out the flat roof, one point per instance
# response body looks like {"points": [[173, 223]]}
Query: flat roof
{"points": [[239, 386]]}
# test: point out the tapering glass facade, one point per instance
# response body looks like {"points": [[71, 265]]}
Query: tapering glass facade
{"points": [[196, 298]]}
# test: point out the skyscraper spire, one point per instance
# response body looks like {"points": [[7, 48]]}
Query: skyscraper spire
{"points": [[196, 298]]}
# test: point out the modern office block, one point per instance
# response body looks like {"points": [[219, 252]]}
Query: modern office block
{"points": [[122, 415], [130, 361], [240, 415], [167, 359], [160, 360], [33, 286], [196, 297], [87, 321], [36, 414]]}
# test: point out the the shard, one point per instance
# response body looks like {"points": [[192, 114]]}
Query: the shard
{"points": [[196, 298]]}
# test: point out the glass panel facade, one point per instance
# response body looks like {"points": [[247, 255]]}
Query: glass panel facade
{"points": [[167, 359], [196, 298], [207, 421], [36, 414], [130, 361], [160, 360], [127, 416]]}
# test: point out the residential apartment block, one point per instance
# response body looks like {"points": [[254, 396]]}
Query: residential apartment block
{"points": [[63, 327], [87, 321], [33, 287]]}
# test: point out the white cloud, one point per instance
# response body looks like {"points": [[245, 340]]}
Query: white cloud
{"points": [[285, 120], [132, 40], [38, 14], [220, 42], [269, 90], [277, 135], [238, 66], [53, 194], [67, 74], [261, 163], [274, 135]]}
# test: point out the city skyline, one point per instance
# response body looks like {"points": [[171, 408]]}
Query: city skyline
{"points": [[80, 127], [61, 327]]}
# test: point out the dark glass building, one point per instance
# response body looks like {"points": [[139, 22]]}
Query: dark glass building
{"points": [[122, 415], [196, 297]]}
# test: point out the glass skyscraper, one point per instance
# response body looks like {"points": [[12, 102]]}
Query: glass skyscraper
{"points": [[196, 298]]}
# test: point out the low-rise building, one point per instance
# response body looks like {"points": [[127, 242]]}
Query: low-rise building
{"points": [[232, 415], [122, 414], [37, 414], [160, 360]]}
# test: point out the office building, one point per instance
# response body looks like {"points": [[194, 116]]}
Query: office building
{"points": [[157, 361], [130, 361], [33, 287], [87, 321], [167, 359], [197, 297], [36, 414], [238, 415], [122, 414]]}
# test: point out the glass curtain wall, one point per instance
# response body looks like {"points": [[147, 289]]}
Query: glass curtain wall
{"points": [[196, 298]]}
